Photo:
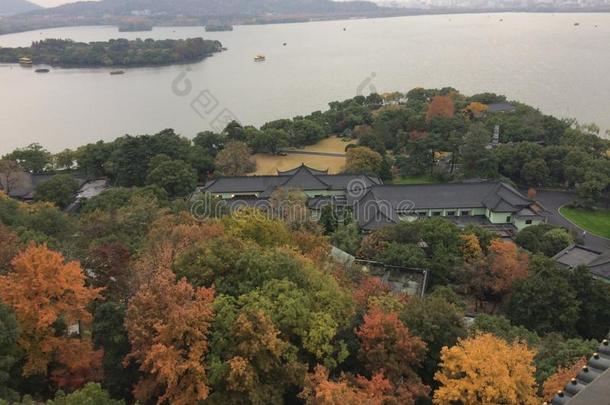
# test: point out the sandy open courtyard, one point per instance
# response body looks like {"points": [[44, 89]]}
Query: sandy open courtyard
{"points": [[267, 164]]}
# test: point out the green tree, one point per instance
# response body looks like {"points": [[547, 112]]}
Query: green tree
{"points": [[269, 140], [176, 177], [438, 323], [362, 160], [201, 161], [33, 158], [555, 241], [64, 159], [234, 132], [404, 255], [109, 333], [535, 172], [329, 219], [234, 160], [478, 160], [210, 141], [305, 132], [594, 296], [90, 394], [555, 351], [9, 352], [93, 158], [347, 237], [59, 190], [501, 327], [545, 300]]}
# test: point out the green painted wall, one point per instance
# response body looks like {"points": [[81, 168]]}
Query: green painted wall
{"points": [[520, 223], [498, 217]]}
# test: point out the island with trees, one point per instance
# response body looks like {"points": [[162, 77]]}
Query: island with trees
{"points": [[218, 27], [135, 25], [136, 298], [113, 53]]}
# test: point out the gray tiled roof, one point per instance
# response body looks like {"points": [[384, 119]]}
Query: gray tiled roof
{"points": [[601, 266], [500, 107], [494, 195], [592, 385], [26, 184], [302, 178], [293, 171], [577, 255]]}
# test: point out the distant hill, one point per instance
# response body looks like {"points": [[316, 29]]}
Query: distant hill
{"points": [[8, 7], [190, 12], [210, 8]]}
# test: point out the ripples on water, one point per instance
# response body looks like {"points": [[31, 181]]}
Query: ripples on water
{"points": [[541, 59]]}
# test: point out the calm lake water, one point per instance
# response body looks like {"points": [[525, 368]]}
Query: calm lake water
{"points": [[541, 59]]}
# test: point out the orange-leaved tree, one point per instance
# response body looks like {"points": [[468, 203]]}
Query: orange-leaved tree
{"points": [[167, 324], [387, 346], [319, 389], [494, 276], [476, 108], [506, 264], [561, 377], [440, 107], [486, 370], [50, 299], [10, 247]]}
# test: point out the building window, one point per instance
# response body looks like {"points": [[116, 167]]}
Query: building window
{"points": [[528, 222], [436, 213], [422, 213], [450, 213], [509, 218], [464, 213]]}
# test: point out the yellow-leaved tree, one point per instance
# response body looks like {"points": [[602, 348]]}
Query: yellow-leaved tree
{"points": [[486, 370]]}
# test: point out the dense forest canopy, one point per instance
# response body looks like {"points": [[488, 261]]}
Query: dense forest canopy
{"points": [[133, 298], [115, 52]]}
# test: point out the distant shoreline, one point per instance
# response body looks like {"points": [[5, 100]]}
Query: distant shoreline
{"points": [[287, 19]]}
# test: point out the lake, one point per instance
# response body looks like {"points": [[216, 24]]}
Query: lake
{"points": [[541, 59]]}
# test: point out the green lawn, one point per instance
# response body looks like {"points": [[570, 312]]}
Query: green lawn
{"points": [[415, 180], [595, 222]]}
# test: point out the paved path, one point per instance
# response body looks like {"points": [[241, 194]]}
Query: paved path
{"points": [[552, 201]]}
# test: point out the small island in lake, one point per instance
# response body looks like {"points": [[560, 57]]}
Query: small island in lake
{"points": [[135, 25], [115, 52], [218, 27]]}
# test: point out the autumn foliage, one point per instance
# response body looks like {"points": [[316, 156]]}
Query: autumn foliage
{"points": [[476, 108], [561, 377], [320, 389], [470, 248], [440, 107], [168, 324], [493, 276], [368, 288], [10, 247], [50, 297], [486, 370], [387, 346], [260, 365]]}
